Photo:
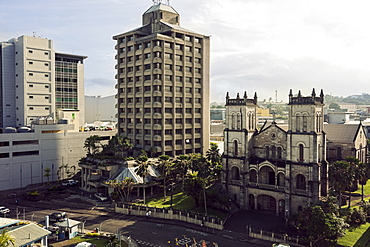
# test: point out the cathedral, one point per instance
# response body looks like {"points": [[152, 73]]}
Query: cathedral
{"points": [[276, 168]]}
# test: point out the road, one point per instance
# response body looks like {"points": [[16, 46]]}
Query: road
{"points": [[146, 232]]}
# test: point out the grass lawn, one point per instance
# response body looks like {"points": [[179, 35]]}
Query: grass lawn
{"points": [[366, 189], [182, 202], [99, 242], [358, 237]]}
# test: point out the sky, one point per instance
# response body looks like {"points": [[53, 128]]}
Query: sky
{"points": [[263, 46]]}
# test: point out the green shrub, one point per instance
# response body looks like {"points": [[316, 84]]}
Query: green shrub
{"points": [[33, 193]]}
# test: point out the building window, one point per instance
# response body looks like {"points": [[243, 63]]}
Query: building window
{"points": [[235, 147], [235, 173], [301, 182], [304, 123], [301, 153], [30, 51], [298, 122], [253, 176], [267, 152]]}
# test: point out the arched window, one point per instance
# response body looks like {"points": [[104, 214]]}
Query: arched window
{"points": [[300, 182], [304, 123], [279, 153], [301, 153], [235, 147], [339, 153], [267, 152], [318, 123], [281, 179], [298, 122], [239, 121], [235, 173], [251, 120], [253, 176], [360, 153], [233, 121], [273, 152], [266, 176]]}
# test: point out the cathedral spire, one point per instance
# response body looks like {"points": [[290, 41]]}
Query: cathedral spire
{"points": [[313, 93], [245, 94]]}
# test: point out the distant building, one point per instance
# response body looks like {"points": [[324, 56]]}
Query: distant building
{"points": [[24, 157], [163, 85], [218, 114], [99, 108], [35, 81]]}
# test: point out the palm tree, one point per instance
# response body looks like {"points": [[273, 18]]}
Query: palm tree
{"points": [[182, 163], [6, 239], [142, 169], [339, 177], [164, 165], [92, 145], [194, 186], [123, 188]]}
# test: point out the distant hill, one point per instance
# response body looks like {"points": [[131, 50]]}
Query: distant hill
{"points": [[363, 99]]}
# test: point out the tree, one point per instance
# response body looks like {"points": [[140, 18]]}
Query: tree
{"points": [[142, 166], [123, 188], [194, 187], [364, 176], [6, 239], [354, 174], [92, 145], [334, 106], [214, 158], [182, 164], [320, 228], [164, 165], [339, 177], [47, 173]]}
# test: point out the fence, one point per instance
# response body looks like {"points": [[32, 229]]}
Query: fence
{"points": [[172, 214], [275, 237]]}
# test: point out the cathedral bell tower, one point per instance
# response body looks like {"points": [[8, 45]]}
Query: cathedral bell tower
{"points": [[241, 124], [306, 145]]}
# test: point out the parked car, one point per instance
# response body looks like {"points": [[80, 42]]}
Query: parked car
{"points": [[101, 197], [58, 216], [70, 182], [280, 245], [4, 210]]}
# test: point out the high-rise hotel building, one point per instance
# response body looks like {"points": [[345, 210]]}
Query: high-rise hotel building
{"points": [[163, 84], [36, 81]]}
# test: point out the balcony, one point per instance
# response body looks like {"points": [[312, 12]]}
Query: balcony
{"points": [[157, 48], [157, 116], [157, 126], [130, 125], [168, 115], [157, 104], [147, 126], [139, 115], [179, 126], [157, 82], [158, 148], [147, 115], [157, 60], [157, 138], [168, 148], [148, 137], [138, 136], [168, 137], [139, 125], [168, 126], [157, 93], [157, 71]]}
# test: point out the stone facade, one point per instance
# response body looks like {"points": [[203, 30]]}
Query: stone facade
{"points": [[272, 168]]}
